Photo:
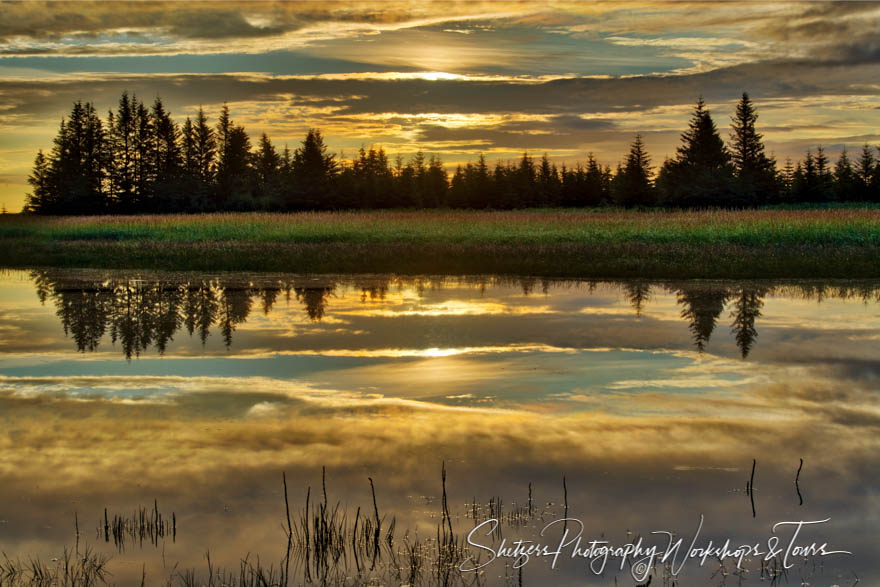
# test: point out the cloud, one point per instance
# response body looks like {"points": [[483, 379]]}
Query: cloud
{"points": [[59, 28], [520, 61], [571, 96]]}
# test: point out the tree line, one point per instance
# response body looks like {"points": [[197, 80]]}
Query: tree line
{"points": [[139, 160], [149, 313]]}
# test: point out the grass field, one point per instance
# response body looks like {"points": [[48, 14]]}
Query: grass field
{"points": [[753, 243]]}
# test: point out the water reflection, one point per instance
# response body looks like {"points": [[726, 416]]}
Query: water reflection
{"points": [[146, 312], [637, 393]]}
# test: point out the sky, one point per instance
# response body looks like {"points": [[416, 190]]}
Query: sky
{"points": [[453, 79]]}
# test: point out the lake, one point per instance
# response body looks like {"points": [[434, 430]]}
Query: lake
{"points": [[627, 407]]}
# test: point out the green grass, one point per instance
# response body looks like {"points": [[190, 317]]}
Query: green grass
{"points": [[841, 242]]}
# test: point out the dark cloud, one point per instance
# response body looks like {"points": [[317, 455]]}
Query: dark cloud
{"points": [[823, 21], [562, 131], [564, 98], [196, 20], [220, 25], [212, 20]]}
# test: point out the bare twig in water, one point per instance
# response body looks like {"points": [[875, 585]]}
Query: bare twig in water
{"points": [[565, 499], [751, 487], [797, 484], [286, 505]]}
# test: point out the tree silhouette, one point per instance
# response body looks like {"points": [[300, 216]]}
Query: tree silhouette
{"points": [[167, 162], [846, 182], [756, 178], [267, 172], [314, 173], [40, 199], [72, 179], [142, 161], [867, 173], [198, 152], [122, 139], [632, 184], [144, 172], [701, 175], [824, 187]]}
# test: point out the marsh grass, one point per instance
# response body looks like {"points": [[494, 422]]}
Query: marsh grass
{"points": [[327, 546], [841, 242], [839, 226], [143, 525], [72, 569]]}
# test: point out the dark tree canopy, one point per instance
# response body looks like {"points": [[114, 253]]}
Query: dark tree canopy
{"points": [[632, 185], [141, 161], [702, 174], [756, 178]]}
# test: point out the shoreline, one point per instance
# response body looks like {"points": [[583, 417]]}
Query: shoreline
{"points": [[626, 260], [716, 244]]}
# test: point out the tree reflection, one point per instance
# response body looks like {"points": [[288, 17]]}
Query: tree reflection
{"points": [[314, 299], [144, 313], [141, 314], [747, 304], [702, 305], [638, 293]]}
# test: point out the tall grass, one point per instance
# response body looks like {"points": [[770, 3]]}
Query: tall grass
{"points": [[73, 569], [144, 524], [848, 226], [842, 243]]}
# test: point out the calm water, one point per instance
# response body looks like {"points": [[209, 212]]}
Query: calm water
{"points": [[194, 392]]}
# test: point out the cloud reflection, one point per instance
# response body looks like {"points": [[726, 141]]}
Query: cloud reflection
{"points": [[602, 382]]}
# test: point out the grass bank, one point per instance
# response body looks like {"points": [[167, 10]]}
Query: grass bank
{"points": [[658, 244]]}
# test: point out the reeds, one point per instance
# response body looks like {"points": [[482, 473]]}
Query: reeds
{"points": [[326, 546], [72, 569], [143, 525]]}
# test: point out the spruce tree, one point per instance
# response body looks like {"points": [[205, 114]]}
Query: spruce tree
{"points": [[167, 161], [756, 180], [40, 199], [233, 187], [122, 146], [314, 172], [846, 183], [436, 184], [481, 190], [701, 174], [632, 183], [198, 154], [267, 166], [144, 161], [205, 144], [240, 178], [76, 170], [595, 192], [786, 180], [224, 176], [525, 183], [548, 183], [866, 172]]}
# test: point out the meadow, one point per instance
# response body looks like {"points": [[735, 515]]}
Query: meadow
{"points": [[837, 242]]}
